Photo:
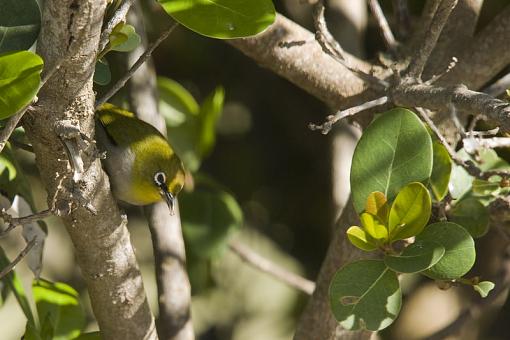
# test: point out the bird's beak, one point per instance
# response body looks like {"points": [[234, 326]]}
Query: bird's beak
{"points": [[170, 200]]}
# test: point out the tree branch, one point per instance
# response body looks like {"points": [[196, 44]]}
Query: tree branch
{"points": [[18, 258], [102, 246], [305, 64], [317, 320], [174, 290], [439, 20], [13, 222], [382, 23], [269, 267]]}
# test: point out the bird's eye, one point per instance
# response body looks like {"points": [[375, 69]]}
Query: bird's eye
{"points": [[160, 178]]}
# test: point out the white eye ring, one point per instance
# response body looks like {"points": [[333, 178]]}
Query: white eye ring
{"points": [[160, 178]]}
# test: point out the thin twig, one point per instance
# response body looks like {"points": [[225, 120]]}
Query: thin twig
{"points": [[382, 23], [469, 166], [331, 47], [18, 258], [437, 24], [269, 267], [499, 87], [120, 15], [143, 58], [472, 312], [13, 222], [333, 119]]}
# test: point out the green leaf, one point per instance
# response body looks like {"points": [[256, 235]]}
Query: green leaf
{"points": [[373, 226], [20, 21], [365, 294], [472, 215], [223, 19], [360, 239], [176, 102], [209, 114], [89, 336], [484, 288], [441, 170], [378, 205], [102, 73], [482, 187], [416, 257], [394, 150], [409, 212], [124, 38], [19, 80], [459, 247], [209, 216], [16, 287], [59, 303]]}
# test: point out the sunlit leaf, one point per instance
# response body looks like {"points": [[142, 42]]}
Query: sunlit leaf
{"points": [[409, 212], [124, 38], [378, 205], [459, 246], [59, 304], [19, 80], [365, 294], [223, 19], [373, 226], [441, 170], [359, 238], [394, 150], [483, 288], [210, 112], [416, 257]]}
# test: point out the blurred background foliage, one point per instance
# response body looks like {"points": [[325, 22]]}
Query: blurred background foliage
{"points": [[260, 176]]}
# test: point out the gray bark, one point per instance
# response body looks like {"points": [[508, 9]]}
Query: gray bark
{"points": [[101, 239], [174, 290]]}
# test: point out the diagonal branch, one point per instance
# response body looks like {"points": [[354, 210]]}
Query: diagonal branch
{"points": [[268, 267], [382, 23], [439, 20], [18, 258], [141, 60]]}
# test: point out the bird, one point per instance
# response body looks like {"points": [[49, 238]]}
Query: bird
{"points": [[143, 167]]}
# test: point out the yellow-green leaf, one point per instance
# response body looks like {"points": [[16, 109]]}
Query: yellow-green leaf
{"points": [[409, 212], [373, 226], [377, 205], [360, 239]]}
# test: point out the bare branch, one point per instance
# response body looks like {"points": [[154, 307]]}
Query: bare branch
{"points": [[439, 20], [18, 258], [382, 23], [118, 16], [142, 59], [174, 321], [333, 119], [331, 47], [269, 267], [13, 222], [440, 98]]}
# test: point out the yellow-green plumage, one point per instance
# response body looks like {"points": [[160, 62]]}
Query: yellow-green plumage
{"points": [[136, 151]]}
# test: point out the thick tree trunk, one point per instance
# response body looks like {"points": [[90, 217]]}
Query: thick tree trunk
{"points": [[98, 231]]}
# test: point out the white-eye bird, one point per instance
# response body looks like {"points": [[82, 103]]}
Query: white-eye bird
{"points": [[142, 166]]}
